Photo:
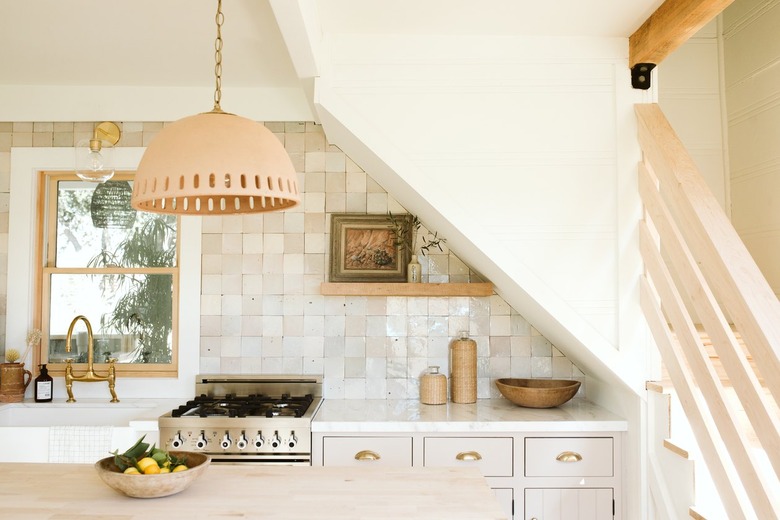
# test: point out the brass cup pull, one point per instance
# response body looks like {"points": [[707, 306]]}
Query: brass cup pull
{"points": [[468, 455], [367, 455], [569, 456]]}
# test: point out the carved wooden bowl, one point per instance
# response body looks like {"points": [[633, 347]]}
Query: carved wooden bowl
{"points": [[153, 486], [538, 393]]}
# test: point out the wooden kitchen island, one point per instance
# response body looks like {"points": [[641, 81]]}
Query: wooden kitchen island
{"points": [[248, 491]]}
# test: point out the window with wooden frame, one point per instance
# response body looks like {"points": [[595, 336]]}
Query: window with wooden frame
{"points": [[117, 267]]}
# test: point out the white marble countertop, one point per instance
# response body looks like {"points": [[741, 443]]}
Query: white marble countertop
{"points": [[141, 412], [486, 415]]}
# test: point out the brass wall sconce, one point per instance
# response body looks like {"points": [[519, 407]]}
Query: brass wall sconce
{"points": [[95, 156]]}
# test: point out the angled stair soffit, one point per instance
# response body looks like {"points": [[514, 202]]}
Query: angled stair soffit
{"points": [[590, 351]]}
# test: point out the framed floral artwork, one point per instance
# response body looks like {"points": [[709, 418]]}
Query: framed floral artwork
{"points": [[364, 248]]}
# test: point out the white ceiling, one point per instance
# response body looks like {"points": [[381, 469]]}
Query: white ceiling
{"points": [[171, 42], [140, 42]]}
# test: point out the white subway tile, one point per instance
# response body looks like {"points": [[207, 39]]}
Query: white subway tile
{"points": [[231, 347], [231, 243], [273, 325], [354, 388], [273, 243], [500, 325]]}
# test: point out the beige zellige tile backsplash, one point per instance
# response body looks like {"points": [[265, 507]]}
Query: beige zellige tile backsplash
{"points": [[261, 307]]}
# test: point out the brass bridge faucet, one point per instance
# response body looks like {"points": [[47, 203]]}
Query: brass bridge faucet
{"points": [[90, 376]]}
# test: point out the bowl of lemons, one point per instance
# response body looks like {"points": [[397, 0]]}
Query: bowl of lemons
{"points": [[149, 472]]}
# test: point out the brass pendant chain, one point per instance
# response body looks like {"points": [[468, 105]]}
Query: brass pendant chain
{"points": [[220, 19]]}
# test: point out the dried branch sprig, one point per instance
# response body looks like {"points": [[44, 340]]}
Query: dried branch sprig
{"points": [[407, 238], [12, 355], [33, 338], [433, 240]]}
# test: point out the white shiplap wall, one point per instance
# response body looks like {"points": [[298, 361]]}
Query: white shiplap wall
{"points": [[690, 95], [523, 145], [752, 65]]}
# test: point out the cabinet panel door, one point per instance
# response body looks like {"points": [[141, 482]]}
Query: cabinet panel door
{"points": [[505, 496], [568, 504], [367, 451]]}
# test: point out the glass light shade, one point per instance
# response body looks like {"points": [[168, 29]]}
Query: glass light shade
{"points": [[215, 163], [94, 160]]}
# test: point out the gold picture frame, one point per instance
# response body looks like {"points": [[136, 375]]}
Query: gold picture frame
{"points": [[364, 248]]}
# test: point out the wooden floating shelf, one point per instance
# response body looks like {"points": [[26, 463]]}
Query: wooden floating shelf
{"points": [[406, 289]]}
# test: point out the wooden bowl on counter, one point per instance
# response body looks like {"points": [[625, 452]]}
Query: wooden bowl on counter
{"points": [[153, 486], [538, 393]]}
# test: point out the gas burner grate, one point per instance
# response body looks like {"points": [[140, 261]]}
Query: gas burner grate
{"points": [[257, 405]]}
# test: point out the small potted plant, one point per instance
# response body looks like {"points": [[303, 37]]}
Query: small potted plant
{"points": [[406, 237]]}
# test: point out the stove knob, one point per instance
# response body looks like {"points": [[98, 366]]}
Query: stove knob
{"points": [[226, 441], [177, 442], [259, 441], [241, 443], [292, 441], [275, 440], [201, 442]]}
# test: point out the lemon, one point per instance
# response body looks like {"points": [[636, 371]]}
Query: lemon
{"points": [[165, 470], [180, 467], [152, 470], [148, 465], [132, 471]]}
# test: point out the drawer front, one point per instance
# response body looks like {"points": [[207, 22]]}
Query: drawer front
{"points": [[367, 451], [569, 457], [493, 455]]}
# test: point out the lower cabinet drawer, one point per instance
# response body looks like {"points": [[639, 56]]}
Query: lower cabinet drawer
{"points": [[369, 451], [569, 457], [493, 455]]}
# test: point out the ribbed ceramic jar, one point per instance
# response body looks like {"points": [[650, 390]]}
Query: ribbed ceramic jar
{"points": [[13, 382], [433, 387], [463, 363]]}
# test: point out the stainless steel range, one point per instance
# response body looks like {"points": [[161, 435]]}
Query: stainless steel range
{"points": [[246, 418]]}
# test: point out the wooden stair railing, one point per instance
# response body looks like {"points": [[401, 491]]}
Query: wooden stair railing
{"points": [[697, 266]]}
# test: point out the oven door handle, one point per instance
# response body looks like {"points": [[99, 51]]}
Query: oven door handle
{"points": [[367, 455]]}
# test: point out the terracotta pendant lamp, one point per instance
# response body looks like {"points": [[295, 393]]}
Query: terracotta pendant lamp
{"points": [[215, 163]]}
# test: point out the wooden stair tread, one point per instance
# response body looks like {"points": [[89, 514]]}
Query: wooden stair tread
{"points": [[674, 448], [663, 386], [715, 359]]}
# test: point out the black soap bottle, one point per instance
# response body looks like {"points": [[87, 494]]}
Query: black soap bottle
{"points": [[44, 386]]}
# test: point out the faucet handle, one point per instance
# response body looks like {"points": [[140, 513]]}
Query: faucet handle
{"points": [[112, 360]]}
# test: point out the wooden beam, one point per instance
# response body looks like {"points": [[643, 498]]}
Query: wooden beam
{"points": [[669, 27]]}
